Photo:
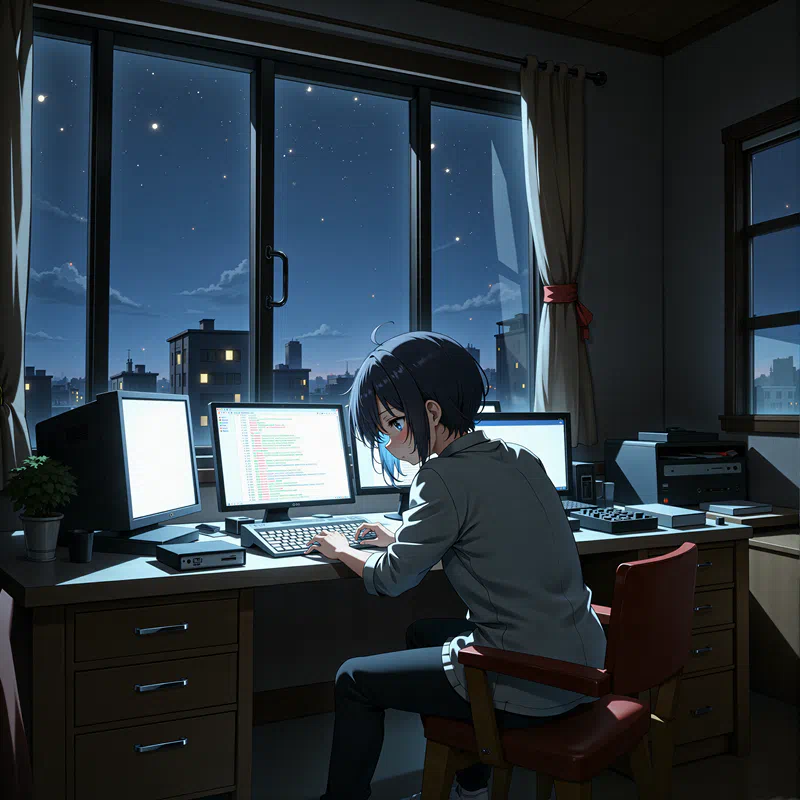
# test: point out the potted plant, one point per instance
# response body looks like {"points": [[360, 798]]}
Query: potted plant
{"points": [[41, 486]]}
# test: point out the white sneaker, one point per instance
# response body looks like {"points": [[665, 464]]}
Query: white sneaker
{"points": [[457, 793]]}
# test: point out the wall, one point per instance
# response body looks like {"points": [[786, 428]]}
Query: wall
{"points": [[744, 69]]}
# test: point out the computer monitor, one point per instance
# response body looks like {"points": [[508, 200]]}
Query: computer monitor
{"points": [[370, 478], [132, 455], [545, 434], [277, 456]]}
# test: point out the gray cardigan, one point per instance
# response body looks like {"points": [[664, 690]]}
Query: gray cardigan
{"points": [[489, 512]]}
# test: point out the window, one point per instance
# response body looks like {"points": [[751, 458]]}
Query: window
{"points": [[55, 338], [203, 421], [342, 195], [480, 279], [181, 167], [237, 398], [763, 288], [229, 355], [178, 359], [203, 377]]}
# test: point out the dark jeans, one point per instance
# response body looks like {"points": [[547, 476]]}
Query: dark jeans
{"points": [[411, 680]]}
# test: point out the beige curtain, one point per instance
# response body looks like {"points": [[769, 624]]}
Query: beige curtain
{"points": [[16, 77], [553, 115]]}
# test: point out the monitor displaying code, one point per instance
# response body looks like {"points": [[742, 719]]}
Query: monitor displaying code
{"points": [[279, 456], [160, 458], [544, 438]]}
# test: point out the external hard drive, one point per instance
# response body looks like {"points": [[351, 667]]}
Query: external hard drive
{"points": [[201, 555]]}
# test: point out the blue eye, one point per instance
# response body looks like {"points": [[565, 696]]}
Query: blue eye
{"points": [[398, 424]]}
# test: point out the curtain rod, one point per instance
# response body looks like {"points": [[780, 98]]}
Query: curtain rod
{"points": [[598, 78]]}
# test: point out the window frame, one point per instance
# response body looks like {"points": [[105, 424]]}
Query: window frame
{"points": [[265, 66], [739, 324]]}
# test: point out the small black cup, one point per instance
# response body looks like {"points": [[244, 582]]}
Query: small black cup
{"points": [[80, 546]]}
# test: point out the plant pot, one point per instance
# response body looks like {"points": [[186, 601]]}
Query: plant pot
{"points": [[41, 537]]}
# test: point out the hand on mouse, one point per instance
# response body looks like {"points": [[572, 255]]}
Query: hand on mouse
{"points": [[327, 543], [383, 536]]}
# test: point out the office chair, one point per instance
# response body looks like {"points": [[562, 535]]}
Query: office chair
{"points": [[15, 767], [649, 634]]}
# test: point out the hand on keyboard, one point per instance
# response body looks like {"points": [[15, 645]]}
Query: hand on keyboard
{"points": [[375, 533], [327, 543]]}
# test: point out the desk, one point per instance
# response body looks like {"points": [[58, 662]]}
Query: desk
{"points": [[79, 658]]}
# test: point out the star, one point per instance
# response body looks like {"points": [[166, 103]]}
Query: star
{"points": [[61, 129], [308, 88], [447, 169], [41, 98], [154, 126], [433, 146], [458, 238]]}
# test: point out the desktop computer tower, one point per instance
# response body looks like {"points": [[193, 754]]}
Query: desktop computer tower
{"points": [[583, 481]]}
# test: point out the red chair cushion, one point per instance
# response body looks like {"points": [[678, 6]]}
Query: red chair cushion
{"points": [[575, 747]]}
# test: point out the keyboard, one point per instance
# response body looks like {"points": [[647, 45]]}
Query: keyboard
{"points": [[611, 520], [575, 505], [292, 540]]}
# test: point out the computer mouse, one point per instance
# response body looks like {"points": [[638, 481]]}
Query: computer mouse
{"points": [[204, 527]]}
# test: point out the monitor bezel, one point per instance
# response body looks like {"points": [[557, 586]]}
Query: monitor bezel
{"points": [[135, 523], [219, 473], [367, 490], [531, 416]]}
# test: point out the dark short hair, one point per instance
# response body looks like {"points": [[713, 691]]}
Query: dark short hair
{"points": [[406, 371]]}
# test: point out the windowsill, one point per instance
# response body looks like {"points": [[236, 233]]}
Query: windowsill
{"points": [[761, 423]]}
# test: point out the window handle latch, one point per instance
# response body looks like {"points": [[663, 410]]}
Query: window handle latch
{"points": [[269, 253]]}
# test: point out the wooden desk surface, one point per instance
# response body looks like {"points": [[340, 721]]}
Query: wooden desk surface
{"points": [[111, 576]]}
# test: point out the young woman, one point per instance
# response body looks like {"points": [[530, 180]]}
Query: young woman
{"points": [[487, 510]]}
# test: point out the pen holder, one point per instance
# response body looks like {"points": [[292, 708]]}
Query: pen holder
{"points": [[80, 546]]}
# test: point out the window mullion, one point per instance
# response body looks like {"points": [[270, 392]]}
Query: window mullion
{"points": [[98, 267], [420, 251]]}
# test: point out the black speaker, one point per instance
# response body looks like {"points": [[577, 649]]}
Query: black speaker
{"points": [[583, 481]]}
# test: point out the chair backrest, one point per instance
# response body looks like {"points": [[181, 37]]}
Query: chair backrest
{"points": [[15, 766], [651, 620]]}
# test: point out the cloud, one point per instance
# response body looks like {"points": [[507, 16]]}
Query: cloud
{"points": [[64, 284], [232, 286], [323, 330], [45, 336], [46, 205], [500, 294], [194, 311]]}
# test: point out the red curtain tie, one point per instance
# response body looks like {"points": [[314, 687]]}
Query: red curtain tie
{"points": [[568, 293]]}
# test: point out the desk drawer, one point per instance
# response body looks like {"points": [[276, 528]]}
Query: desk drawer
{"points": [[155, 629], [201, 757], [120, 693], [710, 651], [714, 566], [705, 707], [713, 608]]}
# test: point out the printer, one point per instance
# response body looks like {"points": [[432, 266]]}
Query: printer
{"points": [[676, 473]]}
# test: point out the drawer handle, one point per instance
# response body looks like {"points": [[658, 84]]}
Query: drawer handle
{"points": [[181, 626], [150, 748], [154, 687], [699, 712], [707, 607], [701, 650], [705, 564]]}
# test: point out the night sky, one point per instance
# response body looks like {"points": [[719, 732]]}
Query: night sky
{"points": [[181, 221]]}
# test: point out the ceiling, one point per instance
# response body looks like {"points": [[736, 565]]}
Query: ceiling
{"points": [[656, 26]]}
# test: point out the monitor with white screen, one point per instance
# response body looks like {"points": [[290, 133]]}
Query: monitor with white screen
{"points": [[546, 435], [277, 456], [132, 455]]}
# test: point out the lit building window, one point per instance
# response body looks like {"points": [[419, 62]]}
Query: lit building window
{"points": [[229, 355], [120, 384], [516, 365], [203, 377], [204, 421], [237, 398], [177, 358], [304, 382], [27, 387], [302, 397], [523, 385]]}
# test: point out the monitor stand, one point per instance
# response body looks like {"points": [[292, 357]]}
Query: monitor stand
{"points": [[402, 506], [143, 541], [279, 514]]}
